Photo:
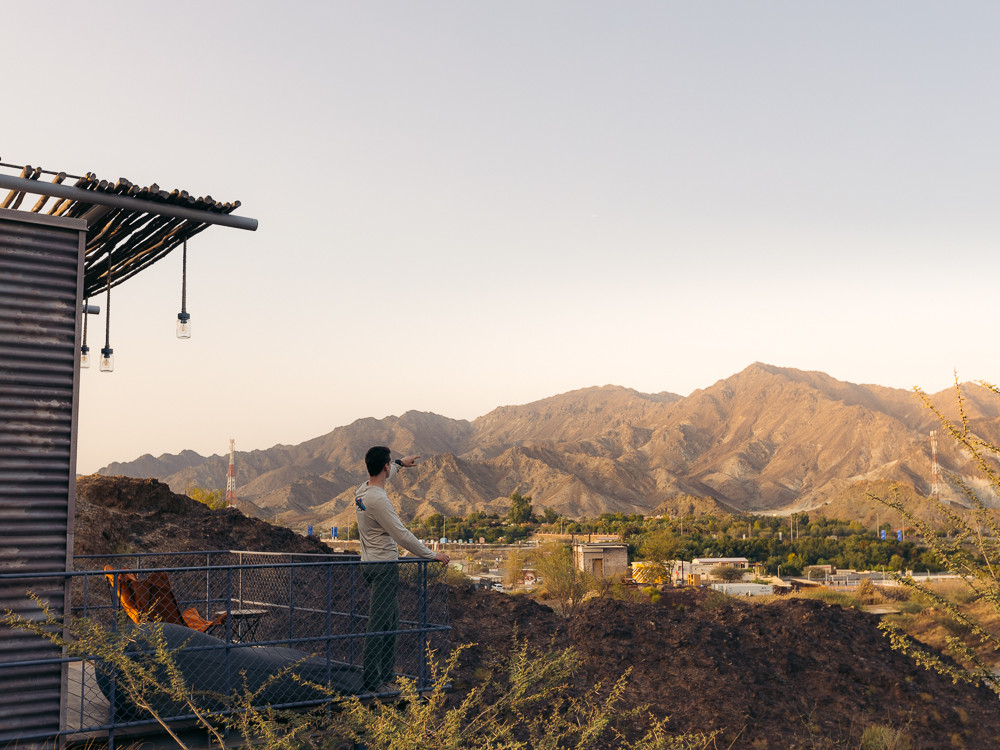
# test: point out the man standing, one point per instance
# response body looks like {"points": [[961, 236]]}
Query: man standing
{"points": [[381, 534]]}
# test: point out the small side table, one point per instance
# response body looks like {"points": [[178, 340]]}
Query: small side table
{"points": [[244, 623]]}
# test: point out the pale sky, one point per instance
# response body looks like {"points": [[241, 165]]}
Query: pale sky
{"points": [[466, 205]]}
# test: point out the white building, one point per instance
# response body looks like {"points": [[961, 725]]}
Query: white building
{"points": [[744, 589]]}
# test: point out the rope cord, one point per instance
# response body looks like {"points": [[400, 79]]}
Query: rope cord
{"points": [[107, 318], [184, 277], [86, 300]]}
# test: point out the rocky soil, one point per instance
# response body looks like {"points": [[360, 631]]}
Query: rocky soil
{"points": [[122, 514], [794, 673]]}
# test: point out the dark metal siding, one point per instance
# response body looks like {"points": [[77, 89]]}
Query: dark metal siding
{"points": [[40, 278]]}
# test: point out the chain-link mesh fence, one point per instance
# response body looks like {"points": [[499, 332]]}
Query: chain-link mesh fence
{"points": [[288, 630]]}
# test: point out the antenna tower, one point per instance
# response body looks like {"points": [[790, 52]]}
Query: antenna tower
{"points": [[231, 476], [935, 468]]}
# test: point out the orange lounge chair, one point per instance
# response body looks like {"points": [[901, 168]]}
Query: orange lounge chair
{"points": [[152, 598]]}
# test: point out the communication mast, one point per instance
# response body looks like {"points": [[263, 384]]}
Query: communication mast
{"points": [[231, 477], [935, 468]]}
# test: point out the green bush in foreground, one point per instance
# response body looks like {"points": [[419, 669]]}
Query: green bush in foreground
{"points": [[972, 554], [526, 700]]}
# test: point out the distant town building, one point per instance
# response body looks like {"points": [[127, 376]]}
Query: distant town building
{"points": [[732, 562], [744, 589], [601, 560]]}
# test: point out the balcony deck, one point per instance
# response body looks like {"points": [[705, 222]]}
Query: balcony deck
{"points": [[307, 613]]}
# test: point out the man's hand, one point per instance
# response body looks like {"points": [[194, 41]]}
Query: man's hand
{"points": [[408, 461], [442, 558]]}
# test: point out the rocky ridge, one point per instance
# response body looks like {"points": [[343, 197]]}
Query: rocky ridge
{"points": [[768, 439]]}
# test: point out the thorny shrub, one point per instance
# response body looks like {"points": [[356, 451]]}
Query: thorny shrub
{"points": [[523, 701], [972, 554]]}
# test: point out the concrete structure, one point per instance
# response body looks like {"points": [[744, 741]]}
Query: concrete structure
{"points": [[602, 560], [744, 589]]}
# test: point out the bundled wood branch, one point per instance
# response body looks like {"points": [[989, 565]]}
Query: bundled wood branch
{"points": [[122, 240], [57, 180]]}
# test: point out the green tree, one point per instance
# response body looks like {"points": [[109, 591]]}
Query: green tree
{"points": [[560, 577], [435, 524], [793, 565], [726, 573], [661, 548], [549, 516], [214, 499], [513, 569], [520, 508]]}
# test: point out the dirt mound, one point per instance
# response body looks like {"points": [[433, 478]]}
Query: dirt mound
{"points": [[122, 514], [794, 673]]}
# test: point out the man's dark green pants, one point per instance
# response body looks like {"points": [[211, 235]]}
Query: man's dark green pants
{"points": [[383, 621]]}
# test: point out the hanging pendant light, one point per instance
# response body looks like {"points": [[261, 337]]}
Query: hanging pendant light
{"points": [[183, 318], [107, 353], [84, 349]]}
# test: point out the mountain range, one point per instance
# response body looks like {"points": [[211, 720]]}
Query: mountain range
{"points": [[765, 440]]}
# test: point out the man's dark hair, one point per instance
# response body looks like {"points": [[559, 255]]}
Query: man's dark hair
{"points": [[376, 458]]}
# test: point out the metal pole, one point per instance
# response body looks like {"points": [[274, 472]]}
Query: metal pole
{"points": [[329, 624], [291, 602], [352, 567], [132, 204], [229, 634], [423, 679]]}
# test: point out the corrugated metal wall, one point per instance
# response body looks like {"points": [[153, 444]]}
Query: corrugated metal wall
{"points": [[41, 263]]}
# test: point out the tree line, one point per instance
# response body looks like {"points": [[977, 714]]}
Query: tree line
{"points": [[786, 544]]}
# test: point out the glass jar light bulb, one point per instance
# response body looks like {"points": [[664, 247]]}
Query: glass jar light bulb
{"points": [[183, 325], [84, 356], [107, 359]]}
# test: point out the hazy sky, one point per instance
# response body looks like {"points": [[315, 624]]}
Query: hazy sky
{"points": [[465, 205]]}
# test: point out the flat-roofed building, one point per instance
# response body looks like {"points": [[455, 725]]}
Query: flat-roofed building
{"points": [[601, 560]]}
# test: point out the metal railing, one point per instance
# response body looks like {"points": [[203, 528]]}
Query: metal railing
{"points": [[344, 627]]}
